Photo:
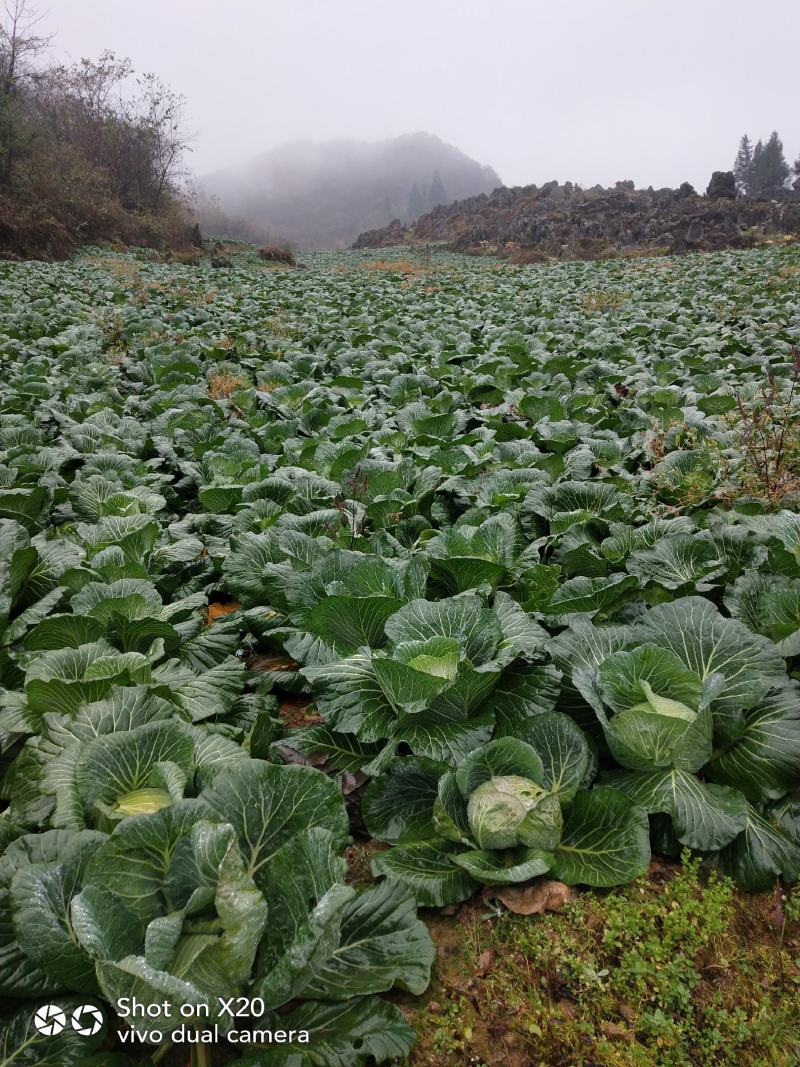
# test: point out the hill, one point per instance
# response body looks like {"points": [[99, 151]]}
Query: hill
{"points": [[565, 221], [322, 195]]}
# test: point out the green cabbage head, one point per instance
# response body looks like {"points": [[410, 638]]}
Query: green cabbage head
{"points": [[509, 810]]}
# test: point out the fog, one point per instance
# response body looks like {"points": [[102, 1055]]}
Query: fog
{"points": [[587, 90]]}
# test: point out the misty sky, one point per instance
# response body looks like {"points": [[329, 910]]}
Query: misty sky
{"points": [[589, 90]]}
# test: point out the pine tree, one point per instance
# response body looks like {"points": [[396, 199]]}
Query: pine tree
{"points": [[436, 194], [770, 171], [755, 169], [416, 203], [743, 166]]}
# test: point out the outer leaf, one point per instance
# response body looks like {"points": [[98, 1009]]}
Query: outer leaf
{"points": [[587, 596], [21, 1044], [705, 817], [760, 855], [464, 618], [348, 622], [605, 841], [684, 559], [267, 805], [507, 756], [398, 807], [19, 975], [41, 896], [382, 944], [764, 761], [134, 861], [340, 1035], [563, 750], [431, 875], [133, 976], [503, 866], [298, 877], [708, 643], [523, 691]]}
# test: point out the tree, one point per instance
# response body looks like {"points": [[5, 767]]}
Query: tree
{"points": [[160, 126], [416, 203], [770, 171], [437, 194], [137, 141], [743, 166], [20, 45]]}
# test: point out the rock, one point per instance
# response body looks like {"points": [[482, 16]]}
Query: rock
{"points": [[722, 185]]}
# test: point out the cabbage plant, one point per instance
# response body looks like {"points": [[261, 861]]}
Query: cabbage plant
{"points": [[238, 892], [431, 688], [696, 711], [510, 811]]}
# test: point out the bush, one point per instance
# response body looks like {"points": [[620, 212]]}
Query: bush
{"points": [[276, 254]]}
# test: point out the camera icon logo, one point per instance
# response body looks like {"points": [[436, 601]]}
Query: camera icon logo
{"points": [[50, 1020], [87, 1020]]}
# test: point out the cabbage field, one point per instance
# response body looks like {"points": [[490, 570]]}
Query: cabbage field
{"points": [[491, 570]]}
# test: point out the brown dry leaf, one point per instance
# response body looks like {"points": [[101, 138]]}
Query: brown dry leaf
{"points": [[615, 1031], [485, 960], [294, 711], [272, 661], [349, 782], [291, 755], [627, 1013], [216, 610], [535, 898]]}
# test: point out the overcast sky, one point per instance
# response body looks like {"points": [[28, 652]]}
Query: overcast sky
{"points": [[590, 90]]}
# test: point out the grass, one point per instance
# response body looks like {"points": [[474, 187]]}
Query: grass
{"points": [[603, 300], [221, 386], [676, 970], [393, 266]]}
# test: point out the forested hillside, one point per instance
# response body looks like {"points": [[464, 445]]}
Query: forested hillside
{"points": [[88, 151]]}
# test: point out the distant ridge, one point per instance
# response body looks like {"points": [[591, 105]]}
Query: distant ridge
{"points": [[322, 195]]}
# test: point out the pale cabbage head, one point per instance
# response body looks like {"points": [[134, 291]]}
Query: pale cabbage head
{"points": [[142, 802], [507, 811], [658, 705]]}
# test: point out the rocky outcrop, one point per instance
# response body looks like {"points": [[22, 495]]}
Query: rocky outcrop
{"points": [[722, 185], [563, 221]]}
